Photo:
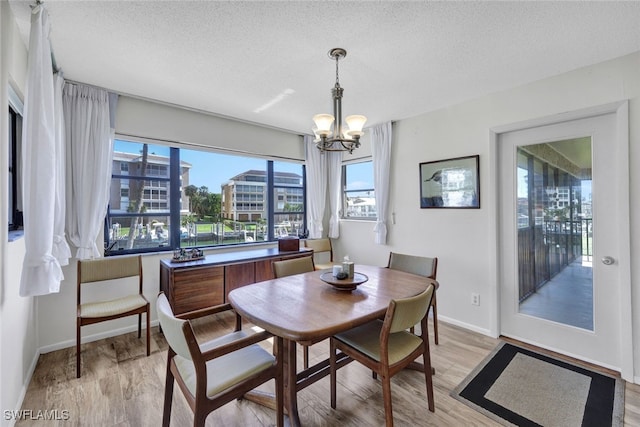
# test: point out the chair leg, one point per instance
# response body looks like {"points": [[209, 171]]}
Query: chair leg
{"points": [[168, 394], [428, 374], [148, 331], [78, 348], [434, 304], [386, 396], [305, 351], [139, 325], [199, 418], [332, 364]]}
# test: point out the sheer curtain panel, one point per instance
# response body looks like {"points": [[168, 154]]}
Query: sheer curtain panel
{"points": [[89, 135], [381, 153], [60, 250], [334, 169], [41, 272], [316, 166]]}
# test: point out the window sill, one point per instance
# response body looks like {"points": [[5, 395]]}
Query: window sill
{"points": [[359, 219], [15, 235]]}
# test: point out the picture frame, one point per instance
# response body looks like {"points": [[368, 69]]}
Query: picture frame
{"points": [[450, 183]]}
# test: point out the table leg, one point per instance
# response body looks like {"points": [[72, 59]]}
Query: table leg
{"points": [[290, 382]]}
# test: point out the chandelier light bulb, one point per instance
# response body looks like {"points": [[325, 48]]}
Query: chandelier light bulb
{"points": [[356, 123], [323, 124]]}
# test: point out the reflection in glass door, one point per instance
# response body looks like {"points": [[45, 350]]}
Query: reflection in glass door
{"points": [[554, 232]]}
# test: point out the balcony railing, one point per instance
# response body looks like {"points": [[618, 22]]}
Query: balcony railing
{"points": [[545, 250]]}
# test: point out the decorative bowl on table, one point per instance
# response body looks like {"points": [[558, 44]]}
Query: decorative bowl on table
{"points": [[346, 284]]}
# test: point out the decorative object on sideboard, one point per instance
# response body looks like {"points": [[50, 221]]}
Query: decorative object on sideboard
{"points": [[185, 255], [288, 244]]}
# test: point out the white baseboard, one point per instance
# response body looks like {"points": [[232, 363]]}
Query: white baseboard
{"points": [[464, 325], [94, 337], [23, 392]]}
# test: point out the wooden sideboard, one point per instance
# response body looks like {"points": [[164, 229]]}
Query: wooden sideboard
{"points": [[194, 285]]}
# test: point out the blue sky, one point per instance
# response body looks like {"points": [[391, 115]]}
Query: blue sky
{"points": [[213, 169]]}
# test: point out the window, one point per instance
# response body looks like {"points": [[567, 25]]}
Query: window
{"points": [[359, 195], [171, 197], [15, 135]]}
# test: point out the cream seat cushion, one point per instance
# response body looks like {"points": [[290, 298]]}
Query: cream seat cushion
{"points": [[112, 307], [225, 371], [324, 266], [366, 339]]}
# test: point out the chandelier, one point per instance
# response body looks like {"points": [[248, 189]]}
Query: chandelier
{"points": [[328, 128]]}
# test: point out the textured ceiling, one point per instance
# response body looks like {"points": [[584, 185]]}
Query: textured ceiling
{"points": [[266, 62]]}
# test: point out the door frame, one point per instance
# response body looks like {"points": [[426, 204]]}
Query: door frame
{"points": [[621, 111]]}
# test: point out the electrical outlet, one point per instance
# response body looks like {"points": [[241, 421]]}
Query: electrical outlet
{"points": [[475, 299]]}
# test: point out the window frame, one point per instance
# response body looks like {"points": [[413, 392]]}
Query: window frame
{"points": [[175, 193], [344, 211], [15, 118]]}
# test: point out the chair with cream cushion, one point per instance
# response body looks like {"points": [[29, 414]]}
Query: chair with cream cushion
{"points": [[101, 272], [422, 266], [322, 250], [386, 347], [212, 374], [289, 267]]}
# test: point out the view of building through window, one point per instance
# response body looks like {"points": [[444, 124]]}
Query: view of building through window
{"points": [[165, 197], [359, 196]]}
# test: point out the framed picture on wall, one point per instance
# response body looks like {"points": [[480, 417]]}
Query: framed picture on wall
{"points": [[450, 183]]}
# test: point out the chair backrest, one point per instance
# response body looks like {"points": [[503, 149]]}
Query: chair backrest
{"points": [[420, 265], [319, 246], [290, 267], [172, 327], [407, 312], [99, 269], [103, 269]]}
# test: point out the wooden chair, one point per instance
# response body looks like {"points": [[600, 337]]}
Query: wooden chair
{"points": [[422, 266], [386, 347], [293, 266], [213, 373], [289, 267], [101, 270], [321, 246]]}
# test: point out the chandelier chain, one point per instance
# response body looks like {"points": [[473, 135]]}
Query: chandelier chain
{"points": [[337, 75]]}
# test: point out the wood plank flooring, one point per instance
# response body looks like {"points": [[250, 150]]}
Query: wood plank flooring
{"points": [[121, 387]]}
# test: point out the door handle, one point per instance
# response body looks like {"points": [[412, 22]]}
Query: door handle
{"points": [[607, 260]]}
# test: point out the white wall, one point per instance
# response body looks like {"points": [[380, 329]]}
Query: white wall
{"points": [[461, 239], [19, 338]]}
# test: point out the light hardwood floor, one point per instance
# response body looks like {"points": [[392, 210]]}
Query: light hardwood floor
{"points": [[121, 387]]}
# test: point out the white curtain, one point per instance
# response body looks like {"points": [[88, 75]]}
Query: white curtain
{"points": [[334, 171], [89, 135], [60, 248], [381, 152], [316, 169], [41, 272]]}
